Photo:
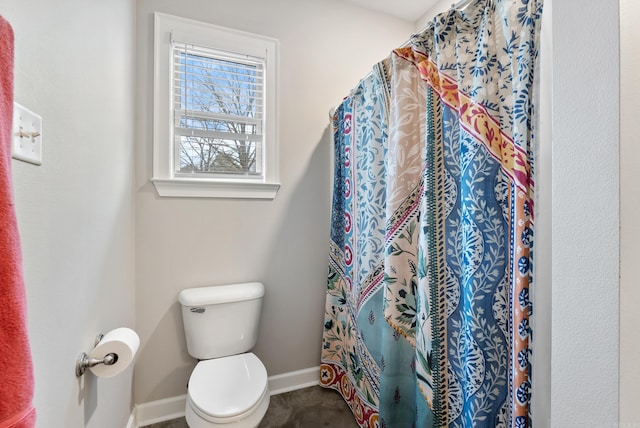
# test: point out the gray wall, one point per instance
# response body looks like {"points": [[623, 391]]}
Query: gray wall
{"points": [[325, 48], [586, 214], [74, 66]]}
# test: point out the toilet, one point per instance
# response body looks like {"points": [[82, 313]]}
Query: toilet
{"points": [[228, 385]]}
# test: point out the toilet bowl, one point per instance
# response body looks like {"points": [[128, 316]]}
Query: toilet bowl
{"points": [[228, 386], [230, 391]]}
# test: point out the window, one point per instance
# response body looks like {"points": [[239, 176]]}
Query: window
{"points": [[214, 111]]}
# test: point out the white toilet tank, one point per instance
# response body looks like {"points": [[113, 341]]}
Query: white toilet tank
{"points": [[221, 320]]}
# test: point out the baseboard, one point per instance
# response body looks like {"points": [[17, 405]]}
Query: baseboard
{"points": [[160, 410], [131, 422], [172, 408], [291, 381]]}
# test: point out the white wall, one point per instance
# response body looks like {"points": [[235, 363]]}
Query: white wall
{"points": [[325, 48], [585, 344], [74, 66], [630, 210]]}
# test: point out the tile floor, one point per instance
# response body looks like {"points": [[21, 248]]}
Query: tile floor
{"points": [[313, 407]]}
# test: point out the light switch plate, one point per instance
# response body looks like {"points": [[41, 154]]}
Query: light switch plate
{"points": [[26, 135]]}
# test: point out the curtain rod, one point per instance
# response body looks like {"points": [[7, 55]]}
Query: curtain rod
{"points": [[460, 4]]}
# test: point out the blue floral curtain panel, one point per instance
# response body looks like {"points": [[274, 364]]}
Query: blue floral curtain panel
{"points": [[427, 310]]}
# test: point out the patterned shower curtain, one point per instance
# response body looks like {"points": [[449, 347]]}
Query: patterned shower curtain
{"points": [[428, 310]]}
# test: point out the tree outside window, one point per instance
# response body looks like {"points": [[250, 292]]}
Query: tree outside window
{"points": [[218, 113]]}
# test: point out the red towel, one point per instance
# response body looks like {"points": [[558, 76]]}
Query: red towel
{"points": [[16, 369]]}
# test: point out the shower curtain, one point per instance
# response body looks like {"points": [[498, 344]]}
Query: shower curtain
{"points": [[427, 310]]}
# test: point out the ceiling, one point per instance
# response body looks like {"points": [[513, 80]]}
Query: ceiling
{"points": [[409, 10]]}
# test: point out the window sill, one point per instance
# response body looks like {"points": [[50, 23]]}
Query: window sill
{"points": [[202, 188]]}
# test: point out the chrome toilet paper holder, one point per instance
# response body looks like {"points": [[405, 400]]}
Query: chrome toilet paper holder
{"points": [[84, 362]]}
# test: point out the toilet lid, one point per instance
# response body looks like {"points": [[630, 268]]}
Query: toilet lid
{"points": [[228, 386]]}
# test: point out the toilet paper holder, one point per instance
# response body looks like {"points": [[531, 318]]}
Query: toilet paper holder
{"points": [[84, 362]]}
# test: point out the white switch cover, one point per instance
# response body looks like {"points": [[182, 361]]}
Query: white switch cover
{"points": [[27, 135]]}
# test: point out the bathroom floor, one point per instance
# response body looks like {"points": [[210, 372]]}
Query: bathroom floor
{"points": [[313, 407]]}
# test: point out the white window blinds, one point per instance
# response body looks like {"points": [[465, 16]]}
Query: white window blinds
{"points": [[218, 112]]}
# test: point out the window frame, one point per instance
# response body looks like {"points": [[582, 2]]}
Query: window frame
{"points": [[167, 183]]}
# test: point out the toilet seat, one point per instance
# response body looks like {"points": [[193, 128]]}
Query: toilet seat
{"points": [[226, 389]]}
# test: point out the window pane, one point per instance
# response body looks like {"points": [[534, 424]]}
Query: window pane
{"points": [[218, 112], [205, 84], [202, 155]]}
